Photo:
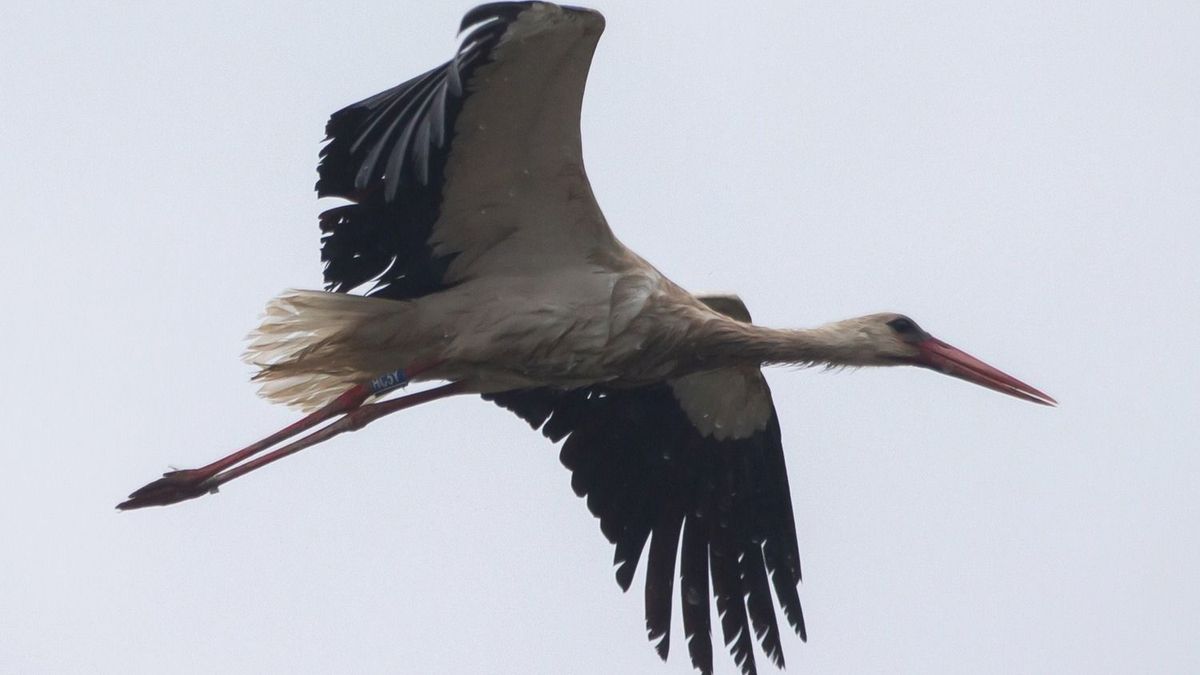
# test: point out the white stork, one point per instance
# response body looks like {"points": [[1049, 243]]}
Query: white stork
{"points": [[490, 267]]}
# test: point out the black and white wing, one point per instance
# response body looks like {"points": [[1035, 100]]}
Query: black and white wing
{"points": [[471, 168], [698, 459]]}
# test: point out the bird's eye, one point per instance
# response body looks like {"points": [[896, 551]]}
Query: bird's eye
{"points": [[903, 326]]}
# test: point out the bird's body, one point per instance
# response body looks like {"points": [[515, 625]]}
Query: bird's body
{"points": [[566, 328], [617, 322], [468, 218]]}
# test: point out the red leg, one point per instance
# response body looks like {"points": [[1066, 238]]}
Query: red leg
{"points": [[352, 421], [177, 486]]}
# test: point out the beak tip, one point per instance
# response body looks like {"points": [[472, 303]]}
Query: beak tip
{"points": [[952, 361], [1038, 396]]}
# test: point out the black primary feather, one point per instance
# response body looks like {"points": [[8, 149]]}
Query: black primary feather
{"points": [[650, 476], [386, 155]]}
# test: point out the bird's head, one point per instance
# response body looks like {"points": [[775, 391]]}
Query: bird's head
{"points": [[894, 339]]}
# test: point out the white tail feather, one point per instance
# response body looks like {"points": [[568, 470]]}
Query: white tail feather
{"points": [[313, 345]]}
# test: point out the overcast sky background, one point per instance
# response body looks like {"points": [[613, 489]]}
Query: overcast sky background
{"points": [[1023, 179]]}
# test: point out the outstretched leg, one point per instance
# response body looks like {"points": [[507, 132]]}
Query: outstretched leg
{"points": [[177, 486]]}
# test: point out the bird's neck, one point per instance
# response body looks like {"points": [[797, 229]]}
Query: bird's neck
{"points": [[729, 342]]}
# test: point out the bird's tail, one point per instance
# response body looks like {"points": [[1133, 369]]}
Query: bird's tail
{"points": [[313, 345]]}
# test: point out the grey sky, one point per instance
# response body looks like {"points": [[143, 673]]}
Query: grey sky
{"points": [[1024, 180]]}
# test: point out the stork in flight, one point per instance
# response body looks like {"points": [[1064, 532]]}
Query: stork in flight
{"points": [[468, 218]]}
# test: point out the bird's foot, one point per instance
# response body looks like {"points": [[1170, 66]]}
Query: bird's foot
{"points": [[173, 487]]}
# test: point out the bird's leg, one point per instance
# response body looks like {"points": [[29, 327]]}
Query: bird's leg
{"points": [[351, 421], [177, 486]]}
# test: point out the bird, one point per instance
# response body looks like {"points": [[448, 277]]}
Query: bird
{"points": [[466, 248]]}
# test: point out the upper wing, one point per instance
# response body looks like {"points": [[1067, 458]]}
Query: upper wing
{"points": [[698, 458], [471, 168]]}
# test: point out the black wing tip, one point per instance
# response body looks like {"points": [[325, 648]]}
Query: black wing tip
{"points": [[625, 571], [701, 655], [759, 605], [386, 154], [735, 510], [694, 598], [798, 623], [663, 646]]}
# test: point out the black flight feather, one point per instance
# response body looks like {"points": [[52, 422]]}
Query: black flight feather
{"points": [[387, 156], [649, 475]]}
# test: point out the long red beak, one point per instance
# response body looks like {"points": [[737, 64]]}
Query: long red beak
{"points": [[952, 361]]}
